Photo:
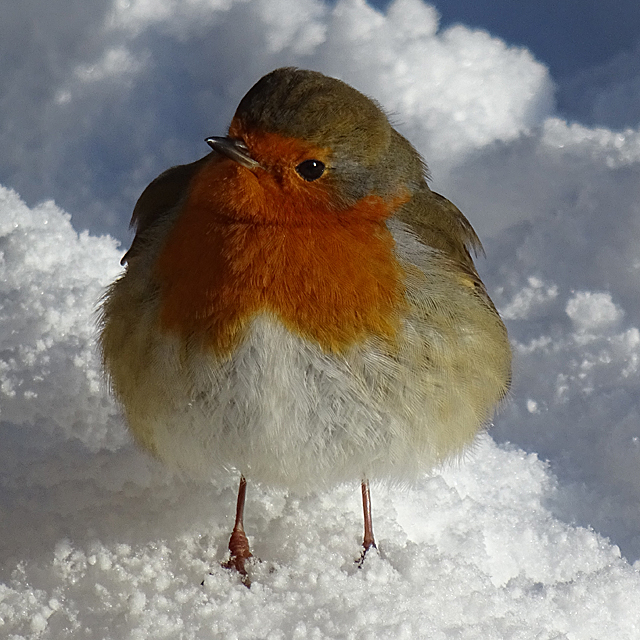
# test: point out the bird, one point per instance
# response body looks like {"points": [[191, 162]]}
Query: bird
{"points": [[298, 307]]}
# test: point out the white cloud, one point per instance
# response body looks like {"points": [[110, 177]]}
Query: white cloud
{"points": [[592, 311], [115, 62], [529, 301], [616, 148]]}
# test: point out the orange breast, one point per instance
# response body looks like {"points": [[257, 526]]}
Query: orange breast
{"points": [[243, 246]]}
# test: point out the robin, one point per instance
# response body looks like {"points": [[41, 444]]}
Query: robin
{"points": [[299, 306]]}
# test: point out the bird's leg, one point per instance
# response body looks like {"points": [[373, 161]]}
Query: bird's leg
{"points": [[238, 543], [369, 540]]}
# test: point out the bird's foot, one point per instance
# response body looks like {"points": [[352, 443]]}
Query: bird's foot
{"points": [[240, 552], [237, 563], [366, 549]]}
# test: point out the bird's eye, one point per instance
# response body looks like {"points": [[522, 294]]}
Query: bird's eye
{"points": [[310, 170]]}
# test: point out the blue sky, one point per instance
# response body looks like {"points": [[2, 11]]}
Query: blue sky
{"points": [[568, 35]]}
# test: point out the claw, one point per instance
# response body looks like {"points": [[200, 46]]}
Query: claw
{"points": [[240, 552], [234, 563], [363, 554]]}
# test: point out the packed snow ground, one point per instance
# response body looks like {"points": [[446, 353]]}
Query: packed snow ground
{"points": [[535, 533]]}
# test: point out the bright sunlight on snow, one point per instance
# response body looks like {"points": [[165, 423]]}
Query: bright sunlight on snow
{"points": [[534, 534]]}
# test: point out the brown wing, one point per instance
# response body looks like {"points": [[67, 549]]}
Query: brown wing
{"points": [[158, 199], [441, 225]]}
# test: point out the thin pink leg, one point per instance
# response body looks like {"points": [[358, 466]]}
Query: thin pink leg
{"points": [[238, 543], [369, 540]]}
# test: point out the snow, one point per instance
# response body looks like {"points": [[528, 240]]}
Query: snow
{"points": [[534, 534]]}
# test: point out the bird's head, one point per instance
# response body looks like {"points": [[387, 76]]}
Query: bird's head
{"points": [[312, 144]]}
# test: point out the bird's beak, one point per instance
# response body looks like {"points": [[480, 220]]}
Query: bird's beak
{"points": [[234, 149]]}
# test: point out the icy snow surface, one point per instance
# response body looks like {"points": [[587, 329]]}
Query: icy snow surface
{"points": [[534, 534]]}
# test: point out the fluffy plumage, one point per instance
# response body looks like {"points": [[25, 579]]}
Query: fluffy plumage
{"points": [[303, 331]]}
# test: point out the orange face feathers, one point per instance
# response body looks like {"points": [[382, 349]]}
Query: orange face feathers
{"points": [[274, 193], [266, 241], [289, 220]]}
